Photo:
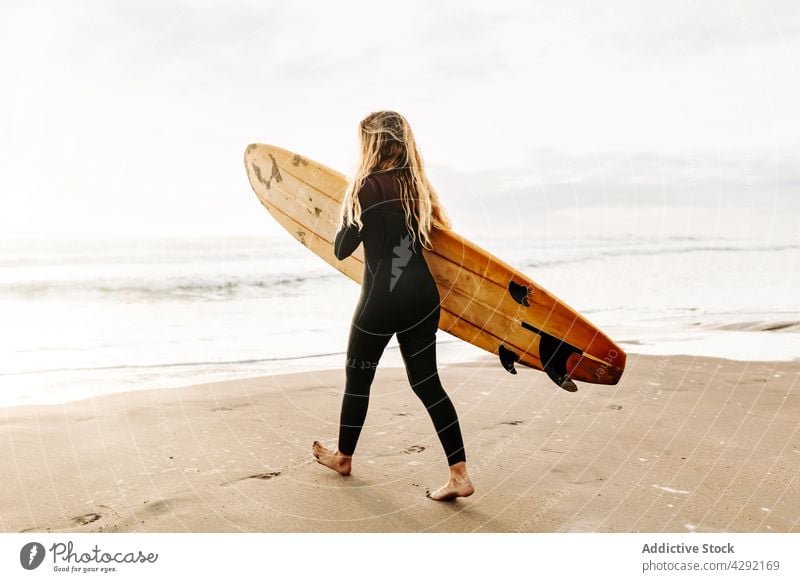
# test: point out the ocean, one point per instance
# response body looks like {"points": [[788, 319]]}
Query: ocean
{"points": [[82, 318]]}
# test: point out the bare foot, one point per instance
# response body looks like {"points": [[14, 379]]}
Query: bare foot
{"points": [[333, 460], [457, 486]]}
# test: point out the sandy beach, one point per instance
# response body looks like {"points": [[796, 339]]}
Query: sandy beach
{"points": [[681, 444]]}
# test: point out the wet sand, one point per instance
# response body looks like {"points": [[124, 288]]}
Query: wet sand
{"points": [[681, 444]]}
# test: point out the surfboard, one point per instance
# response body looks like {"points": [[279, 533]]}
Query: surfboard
{"points": [[484, 301]]}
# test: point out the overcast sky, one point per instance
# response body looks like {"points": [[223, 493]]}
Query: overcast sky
{"points": [[130, 118]]}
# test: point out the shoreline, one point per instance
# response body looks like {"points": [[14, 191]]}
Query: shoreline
{"points": [[681, 444], [451, 352]]}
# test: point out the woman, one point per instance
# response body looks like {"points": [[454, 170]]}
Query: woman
{"points": [[391, 207]]}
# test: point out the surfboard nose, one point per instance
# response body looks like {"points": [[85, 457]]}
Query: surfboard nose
{"points": [[249, 150]]}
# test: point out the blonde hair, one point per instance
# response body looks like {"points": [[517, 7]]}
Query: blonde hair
{"points": [[388, 144]]}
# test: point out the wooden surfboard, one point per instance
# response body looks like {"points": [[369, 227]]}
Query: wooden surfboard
{"points": [[484, 301]]}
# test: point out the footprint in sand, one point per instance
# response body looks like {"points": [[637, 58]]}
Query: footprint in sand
{"points": [[70, 524], [157, 507], [413, 449], [513, 422], [615, 406], [264, 476], [86, 519], [261, 476]]}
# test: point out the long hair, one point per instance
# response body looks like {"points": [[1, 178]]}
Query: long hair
{"points": [[388, 144]]}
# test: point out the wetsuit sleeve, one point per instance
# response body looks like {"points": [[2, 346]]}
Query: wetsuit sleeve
{"points": [[347, 240], [349, 237]]}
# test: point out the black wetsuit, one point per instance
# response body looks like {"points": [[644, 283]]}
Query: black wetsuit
{"points": [[398, 295]]}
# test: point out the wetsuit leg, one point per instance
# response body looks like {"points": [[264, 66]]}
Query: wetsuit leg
{"points": [[418, 348], [364, 351]]}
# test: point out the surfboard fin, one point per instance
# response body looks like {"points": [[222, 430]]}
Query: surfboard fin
{"points": [[507, 358], [563, 381], [520, 293], [553, 354]]}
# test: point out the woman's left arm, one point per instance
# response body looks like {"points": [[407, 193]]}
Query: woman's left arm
{"points": [[347, 240], [349, 237]]}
